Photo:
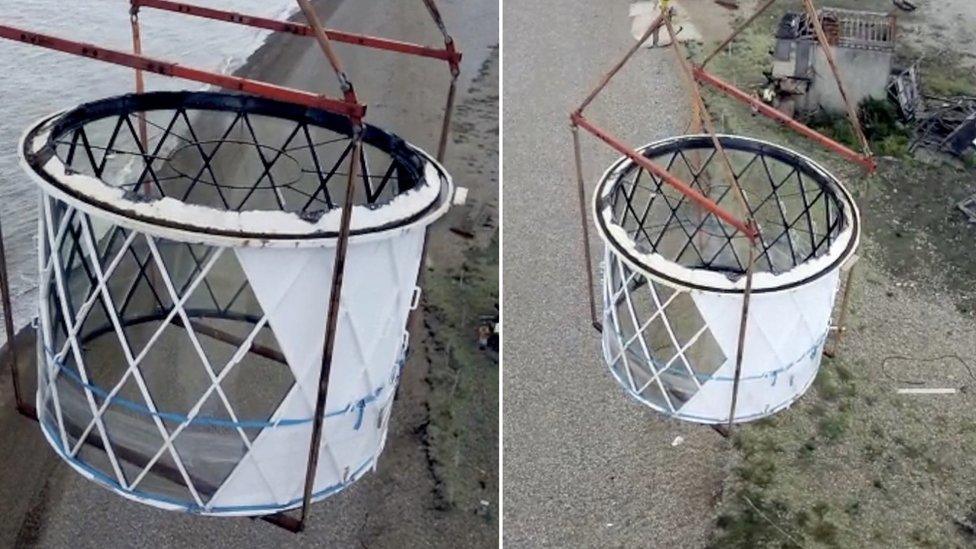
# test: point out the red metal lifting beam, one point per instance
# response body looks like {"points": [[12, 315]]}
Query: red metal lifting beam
{"points": [[448, 53], [694, 195], [728, 89], [354, 111], [698, 198]]}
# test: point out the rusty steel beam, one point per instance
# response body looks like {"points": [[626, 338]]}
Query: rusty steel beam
{"points": [[587, 256], [728, 89], [448, 53], [8, 324], [736, 32], [655, 25], [829, 55], [350, 109], [691, 193]]}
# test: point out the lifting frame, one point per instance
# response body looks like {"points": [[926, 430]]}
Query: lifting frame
{"points": [[348, 106], [694, 75]]}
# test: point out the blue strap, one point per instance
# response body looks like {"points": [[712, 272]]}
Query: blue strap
{"points": [[359, 406]]}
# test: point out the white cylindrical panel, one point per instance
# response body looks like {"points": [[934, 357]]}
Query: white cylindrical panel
{"points": [[674, 277], [185, 284]]}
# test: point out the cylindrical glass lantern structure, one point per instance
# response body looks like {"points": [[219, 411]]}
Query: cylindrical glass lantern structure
{"points": [[674, 276], [186, 247]]}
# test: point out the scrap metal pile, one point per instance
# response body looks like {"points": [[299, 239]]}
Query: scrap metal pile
{"points": [[946, 124], [942, 124], [864, 42]]}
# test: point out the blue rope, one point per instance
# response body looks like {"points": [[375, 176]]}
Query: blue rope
{"points": [[359, 405], [809, 354], [190, 506]]}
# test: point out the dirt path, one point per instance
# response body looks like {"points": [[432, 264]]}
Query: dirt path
{"points": [[585, 466]]}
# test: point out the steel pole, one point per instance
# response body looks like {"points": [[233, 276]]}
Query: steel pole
{"points": [[326, 44], [842, 315], [655, 25], [738, 31], [829, 54], [448, 115], [591, 291], [338, 266], [332, 323], [140, 78], [743, 325], [8, 324]]}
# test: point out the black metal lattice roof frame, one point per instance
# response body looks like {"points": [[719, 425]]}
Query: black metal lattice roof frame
{"points": [[403, 156], [763, 150]]}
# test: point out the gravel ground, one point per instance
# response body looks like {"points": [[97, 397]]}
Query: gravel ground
{"points": [[584, 465]]}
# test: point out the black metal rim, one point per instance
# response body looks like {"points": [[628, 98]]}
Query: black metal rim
{"points": [[738, 143], [61, 123]]}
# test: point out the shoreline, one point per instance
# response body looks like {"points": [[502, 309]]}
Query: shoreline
{"points": [[260, 63], [266, 59]]}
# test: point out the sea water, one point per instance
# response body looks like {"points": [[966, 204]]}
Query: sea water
{"points": [[35, 82]]}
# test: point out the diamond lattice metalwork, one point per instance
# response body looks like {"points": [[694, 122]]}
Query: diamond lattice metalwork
{"points": [[673, 284], [181, 353], [799, 217]]}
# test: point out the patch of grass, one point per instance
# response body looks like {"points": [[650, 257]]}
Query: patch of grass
{"points": [[835, 382], [756, 523], [808, 451], [895, 146], [827, 473], [880, 119], [880, 122], [463, 428], [758, 471], [833, 125], [822, 529], [830, 472], [967, 525], [969, 160], [940, 82], [843, 372], [834, 426]]}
